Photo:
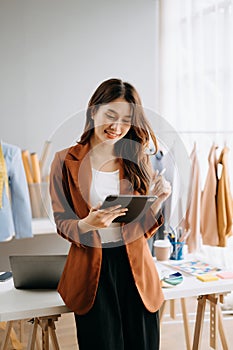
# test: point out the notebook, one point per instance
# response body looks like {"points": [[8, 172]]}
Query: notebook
{"points": [[37, 271]]}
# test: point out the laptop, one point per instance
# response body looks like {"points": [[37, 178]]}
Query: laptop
{"points": [[37, 271]]}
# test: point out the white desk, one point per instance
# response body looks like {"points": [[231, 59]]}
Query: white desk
{"points": [[18, 304], [47, 305], [44, 307], [191, 286], [204, 291]]}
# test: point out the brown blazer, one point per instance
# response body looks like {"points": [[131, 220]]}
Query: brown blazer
{"points": [[70, 181]]}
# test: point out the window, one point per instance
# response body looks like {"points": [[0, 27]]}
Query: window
{"points": [[196, 55], [195, 93]]}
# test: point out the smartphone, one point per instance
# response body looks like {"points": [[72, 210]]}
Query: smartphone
{"points": [[137, 205], [4, 276]]}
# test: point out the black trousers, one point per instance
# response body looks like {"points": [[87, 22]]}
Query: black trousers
{"points": [[118, 319]]}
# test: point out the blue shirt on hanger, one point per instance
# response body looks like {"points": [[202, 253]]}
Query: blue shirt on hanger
{"points": [[15, 214]]}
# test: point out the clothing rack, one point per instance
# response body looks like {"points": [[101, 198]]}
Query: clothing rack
{"points": [[205, 132], [196, 131]]}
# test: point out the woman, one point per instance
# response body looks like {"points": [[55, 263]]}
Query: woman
{"points": [[109, 280]]}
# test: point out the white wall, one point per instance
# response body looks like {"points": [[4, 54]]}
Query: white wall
{"points": [[54, 53]]}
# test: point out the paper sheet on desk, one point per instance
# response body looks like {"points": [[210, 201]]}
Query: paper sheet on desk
{"points": [[163, 268]]}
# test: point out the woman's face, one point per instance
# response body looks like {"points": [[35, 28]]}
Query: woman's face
{"points": [[112, 121]]}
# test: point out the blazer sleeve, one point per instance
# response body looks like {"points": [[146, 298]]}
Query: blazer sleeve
{"points": [[152, 223], [65, 218]]}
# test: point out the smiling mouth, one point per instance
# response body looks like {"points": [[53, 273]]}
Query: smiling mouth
{"points": [[111, 134]]}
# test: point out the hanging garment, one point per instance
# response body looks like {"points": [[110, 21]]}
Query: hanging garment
{"points": [[3, 177], [192, 217], [224, 201], [173, 212], [157, 163], [209, 226], [15, 212], [166, 161]]}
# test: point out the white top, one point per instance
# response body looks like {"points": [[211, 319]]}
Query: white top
{"points": [[103, 184]]}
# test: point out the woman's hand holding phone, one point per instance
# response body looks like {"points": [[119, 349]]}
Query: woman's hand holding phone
{"points": [[100, 218]]}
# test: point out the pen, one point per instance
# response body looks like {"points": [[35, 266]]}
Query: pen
{"points": [[180, 232], [162, 172]]}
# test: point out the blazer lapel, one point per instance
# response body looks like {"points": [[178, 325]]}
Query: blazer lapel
{"points": [[77, 163]]}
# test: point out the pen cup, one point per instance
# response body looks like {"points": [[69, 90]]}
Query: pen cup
{"points": [[177, 251], [40, 200], [162, 249]]}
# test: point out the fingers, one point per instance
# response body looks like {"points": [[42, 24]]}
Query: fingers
{"points": [[161, 186], [156, 179], [114, 210], [111, 216], [104, 217], [162, 189]]}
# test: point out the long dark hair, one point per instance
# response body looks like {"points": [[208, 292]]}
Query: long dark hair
{"points": [[132, 148]]}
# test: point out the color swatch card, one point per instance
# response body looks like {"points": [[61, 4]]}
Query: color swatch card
{"points": [[196, 267], [172, 280], [225, 274]]}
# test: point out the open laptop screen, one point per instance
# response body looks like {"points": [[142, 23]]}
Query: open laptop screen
{"points": [[37, 271]]}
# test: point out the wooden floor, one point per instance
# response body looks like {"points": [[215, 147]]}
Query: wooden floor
{"points": [[172, 331]]}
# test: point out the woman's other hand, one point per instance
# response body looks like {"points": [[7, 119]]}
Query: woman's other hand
{"points": [[161, 188]]}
